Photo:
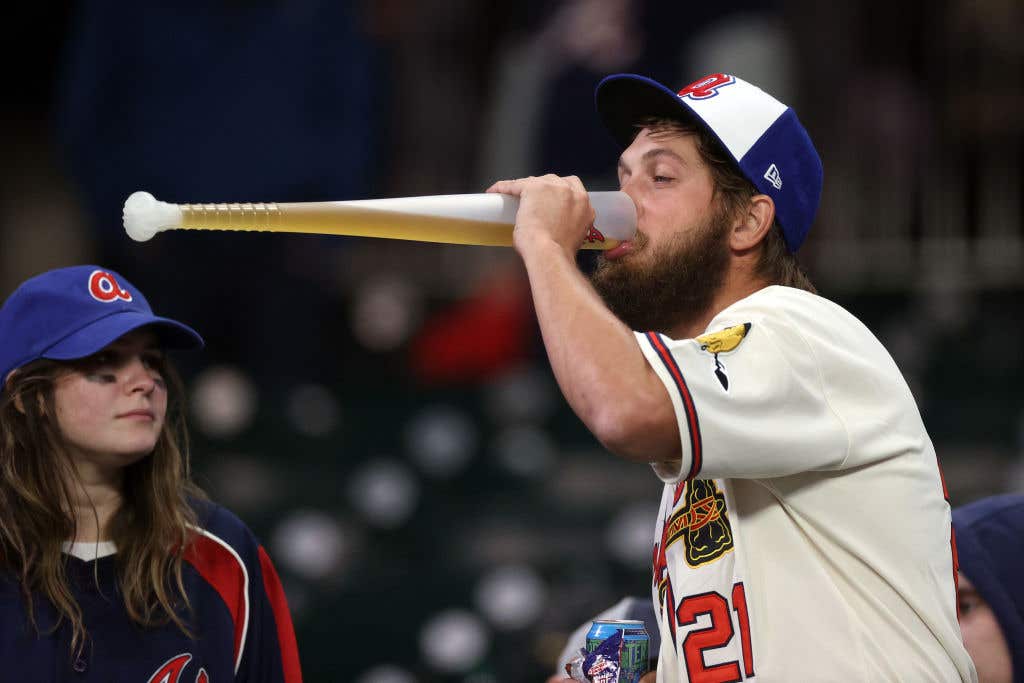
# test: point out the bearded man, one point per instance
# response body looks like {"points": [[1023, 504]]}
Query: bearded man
{"points": [[804, 531]]}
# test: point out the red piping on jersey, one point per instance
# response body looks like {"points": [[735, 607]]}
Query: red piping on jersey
{"points": [[952, 542], [283, 619], [693, 426], [223, 569]]}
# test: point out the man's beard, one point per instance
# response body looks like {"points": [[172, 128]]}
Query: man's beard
{"points": [[672, 286]]}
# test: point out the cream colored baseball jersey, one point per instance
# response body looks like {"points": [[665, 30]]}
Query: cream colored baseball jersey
{"points": [[804, 535]]}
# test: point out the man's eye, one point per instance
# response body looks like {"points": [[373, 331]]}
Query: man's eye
{"points": [[662, 179], [967, 605]]}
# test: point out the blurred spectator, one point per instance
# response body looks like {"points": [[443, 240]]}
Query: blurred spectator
{"points": [[439, 54], [224, 101], [39, 216], [554, 61], [990, 594]]}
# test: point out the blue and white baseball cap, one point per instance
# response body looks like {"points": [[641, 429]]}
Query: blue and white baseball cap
{"points": [[74, 312], [763, 136]]}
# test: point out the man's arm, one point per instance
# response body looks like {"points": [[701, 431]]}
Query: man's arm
{"points": [[595, 358]]}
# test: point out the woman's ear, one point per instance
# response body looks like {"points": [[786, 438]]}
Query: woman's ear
{"points": [[19, 405], [753, 224], [18, 401]]}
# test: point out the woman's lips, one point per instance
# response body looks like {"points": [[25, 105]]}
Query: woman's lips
{"points": [[139, 414]]}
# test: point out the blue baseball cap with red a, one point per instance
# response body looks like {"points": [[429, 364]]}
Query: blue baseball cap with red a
{"points": [[763, 136], [74, 312]]}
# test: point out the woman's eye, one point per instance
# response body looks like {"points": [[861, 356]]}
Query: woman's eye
{"points": [[662, 179], [967, 605], [101, 376], [98, 366]]}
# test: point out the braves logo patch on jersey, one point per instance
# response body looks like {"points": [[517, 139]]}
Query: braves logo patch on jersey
{"points": [[723, 341], [702, 524]]}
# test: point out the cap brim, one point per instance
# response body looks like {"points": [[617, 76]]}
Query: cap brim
{"points": [[623, 100], [98, 334]]}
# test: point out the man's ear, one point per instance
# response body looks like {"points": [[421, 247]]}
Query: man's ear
{"points": [[753, 224]]}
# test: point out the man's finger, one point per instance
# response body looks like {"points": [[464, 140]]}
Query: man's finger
{"points": [[512, 187], [576, 184]]}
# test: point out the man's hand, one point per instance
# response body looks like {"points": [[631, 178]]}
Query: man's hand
{"points": [[551, 209]]}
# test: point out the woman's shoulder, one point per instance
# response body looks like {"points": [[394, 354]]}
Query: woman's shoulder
{"points": [[220, 525]]}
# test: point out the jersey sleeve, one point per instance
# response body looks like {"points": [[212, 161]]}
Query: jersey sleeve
{"points": [[749, 398], [232, 560], [272, 651]]}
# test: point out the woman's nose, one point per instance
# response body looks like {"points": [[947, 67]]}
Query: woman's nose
{"points": [[138, 376]]}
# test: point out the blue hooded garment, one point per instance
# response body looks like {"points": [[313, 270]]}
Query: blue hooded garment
{"points": [[990, 545]]}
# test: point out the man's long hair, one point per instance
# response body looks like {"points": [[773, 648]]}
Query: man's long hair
{"points": [[151, 530]]}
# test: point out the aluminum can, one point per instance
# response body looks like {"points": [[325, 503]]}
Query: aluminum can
{"points": [[636, 643]]}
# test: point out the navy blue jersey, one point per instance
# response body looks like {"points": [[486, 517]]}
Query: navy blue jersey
{"points": [[242, 628]]}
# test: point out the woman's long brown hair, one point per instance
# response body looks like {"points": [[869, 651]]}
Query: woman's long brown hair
{"points": [[151, 530]]}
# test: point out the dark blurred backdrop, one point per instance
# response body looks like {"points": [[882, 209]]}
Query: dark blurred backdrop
{"points": [[381, 412]]}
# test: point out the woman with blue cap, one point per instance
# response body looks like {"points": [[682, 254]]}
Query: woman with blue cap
{"points": [[113, 564], [990, 544]]}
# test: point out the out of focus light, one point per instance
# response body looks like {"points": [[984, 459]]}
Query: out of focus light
{"points": [[384, 313], [480, 677], [511, 597], [242, 482], [223, 401], [630, 535], [454, 641], [386, 673], [384, 492], [910, 342], [948, 308], [526, 451], [441, 440], [311, 544], [525, 394], [313, 410]]}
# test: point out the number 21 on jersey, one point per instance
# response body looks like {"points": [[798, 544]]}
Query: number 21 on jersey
{"points": [[718, 633]]}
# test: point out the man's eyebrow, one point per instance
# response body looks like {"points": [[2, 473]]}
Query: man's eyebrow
{"points": [[652, 154]]}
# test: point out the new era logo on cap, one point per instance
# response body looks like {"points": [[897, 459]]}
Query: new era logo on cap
{"points": [[773, 176], [762, 135]]}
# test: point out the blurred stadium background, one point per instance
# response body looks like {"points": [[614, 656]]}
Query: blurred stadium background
{"points": [[381, 413]]}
